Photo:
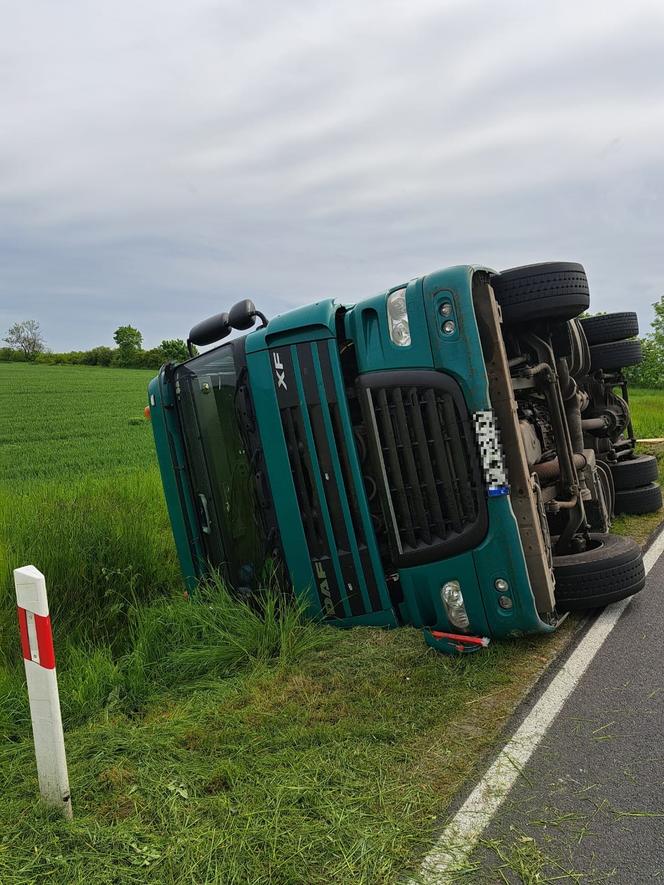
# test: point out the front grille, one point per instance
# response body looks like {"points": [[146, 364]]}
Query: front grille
{"points": [[328, 482], [425, 463]]}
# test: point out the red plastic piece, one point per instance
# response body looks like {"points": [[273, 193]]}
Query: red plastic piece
{"points": [[457, 637]]}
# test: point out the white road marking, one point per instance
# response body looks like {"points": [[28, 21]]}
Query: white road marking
{"points": [[459, 837], [654, 552]]}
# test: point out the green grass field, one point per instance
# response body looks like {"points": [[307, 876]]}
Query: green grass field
{"points": [[66, 422], [647, 407], [208, 743]]}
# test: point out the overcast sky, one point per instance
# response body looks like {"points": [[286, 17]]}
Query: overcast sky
{"points": [[160, 160]]}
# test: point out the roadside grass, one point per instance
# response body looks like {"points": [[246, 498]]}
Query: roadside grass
{"points": [[647, 408], [167, 646], [102, 541], [329, 765]]}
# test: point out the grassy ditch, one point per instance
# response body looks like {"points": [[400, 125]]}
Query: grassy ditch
{"points": [[316, 757], [102, 541], [209, 743]]}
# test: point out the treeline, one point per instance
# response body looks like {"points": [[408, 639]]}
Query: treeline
{"points": [[28, 346], [650, 371], [99, 356]]}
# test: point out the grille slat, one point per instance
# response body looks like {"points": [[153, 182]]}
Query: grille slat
{"points": [[331, 490], [426, 466], [389, 447], [458, 447], [442, 461], [353, 504], [305, 496], [406, 450]]}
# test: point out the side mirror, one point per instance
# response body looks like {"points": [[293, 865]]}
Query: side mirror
{"points": [[242, 315], [213, 329]]}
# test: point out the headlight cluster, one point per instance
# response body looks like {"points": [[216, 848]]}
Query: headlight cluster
{"points": [[454, 605], [397, 318]]}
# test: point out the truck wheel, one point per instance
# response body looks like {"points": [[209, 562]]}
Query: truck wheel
{"points": [[616, 355], [647, 499], [556, 290], [611, 327], [610, 570], [634, 472]]}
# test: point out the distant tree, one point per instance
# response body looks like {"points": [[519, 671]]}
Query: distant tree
{"points": [[99, 356], [26, 337], [650, 372], [657, 324], [128, 339], [129, 351], [174, 350]]}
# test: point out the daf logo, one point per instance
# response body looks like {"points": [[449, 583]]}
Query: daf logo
{"points": [[281, 375], [324, 587]]}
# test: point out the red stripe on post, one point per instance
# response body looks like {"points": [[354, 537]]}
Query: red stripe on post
{"points": [[45, 642], [23, 629]]}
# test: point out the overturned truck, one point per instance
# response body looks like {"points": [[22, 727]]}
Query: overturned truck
{"points": [[425, 456]]}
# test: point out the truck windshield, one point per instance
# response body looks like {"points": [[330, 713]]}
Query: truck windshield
{"points": [[219, 463]]}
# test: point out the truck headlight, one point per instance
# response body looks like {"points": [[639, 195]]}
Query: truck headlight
{"points": [[397, 318], [454, 605]]}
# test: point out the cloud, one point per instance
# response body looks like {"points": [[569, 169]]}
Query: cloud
{"points": [[161, 160]]}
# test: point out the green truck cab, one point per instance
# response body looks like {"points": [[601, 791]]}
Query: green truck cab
{"points": [[413, 458]]}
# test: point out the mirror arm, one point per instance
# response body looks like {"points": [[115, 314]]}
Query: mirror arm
{"points": [[262, 318]]}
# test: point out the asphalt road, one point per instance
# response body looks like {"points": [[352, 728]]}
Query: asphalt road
{"points": [[589, 805]]}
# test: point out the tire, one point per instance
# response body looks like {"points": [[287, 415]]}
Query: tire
{"points": [[556, 290], [616, 355], [634, 472], [611, 327], [612, 570], [647, 499]]}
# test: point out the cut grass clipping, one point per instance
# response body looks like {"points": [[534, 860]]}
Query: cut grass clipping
{"points": [[210, 742]]}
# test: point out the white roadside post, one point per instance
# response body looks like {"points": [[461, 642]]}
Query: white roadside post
{"points": [[39, 658]]}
